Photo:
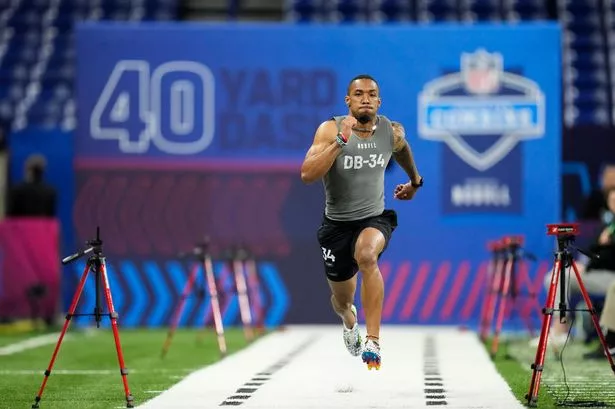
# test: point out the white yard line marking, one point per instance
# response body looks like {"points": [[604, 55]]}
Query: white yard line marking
{"points": [[471, 378], [29, 343]]}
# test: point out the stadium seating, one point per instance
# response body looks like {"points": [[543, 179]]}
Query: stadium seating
{"points": [[586, 98], [587, 57], [37, 53]]}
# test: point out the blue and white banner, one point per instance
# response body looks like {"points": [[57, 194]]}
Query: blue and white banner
{"points": [[482, 112], [234, 107]]}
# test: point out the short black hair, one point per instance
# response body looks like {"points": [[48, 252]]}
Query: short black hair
{"points": [[361, 77], [36, 163]]}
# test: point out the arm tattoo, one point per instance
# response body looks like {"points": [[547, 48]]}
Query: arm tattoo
{"points": [[402, 152]]}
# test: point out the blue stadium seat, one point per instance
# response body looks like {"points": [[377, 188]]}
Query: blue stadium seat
{"points": [[63, 41], [586, 42], [438, 10], [34, 5], [73, 8], [586, 24], [64, 23], [348, 11], [47, 108], [6, 109], [4, 91], [591, 117], [26, 21], [395, 10], [580, 8], [10, 76], [588, 79], [590, 98], [20, 52], [111, 7], [32, 28], [303, 11], [587, 60], [17, 88], [482, 10], [526, 9]]}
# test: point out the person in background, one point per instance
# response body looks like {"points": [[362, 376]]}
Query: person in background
{"points": [[4, 130], [33, 197], [595, 207], [607, 321]]}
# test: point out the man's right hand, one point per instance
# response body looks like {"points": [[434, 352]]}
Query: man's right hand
{"points": [[605, 237], [347, 124]]}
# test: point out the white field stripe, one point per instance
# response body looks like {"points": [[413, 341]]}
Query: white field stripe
{"points": [[29, 343], [471, 378], [323, 375], [210, 386]]}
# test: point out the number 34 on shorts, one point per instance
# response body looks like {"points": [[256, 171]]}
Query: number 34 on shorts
{"points": [[328, 255]]}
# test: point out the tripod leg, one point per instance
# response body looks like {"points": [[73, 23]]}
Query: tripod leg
{"points": [[594, 316], [526, 306], [254, 285], [539, 361], [215, 303], [244, 303], [536, 288], [179, 310], [502, 305], [69, 315], [493, 296], [483, 327], [116, 336]]}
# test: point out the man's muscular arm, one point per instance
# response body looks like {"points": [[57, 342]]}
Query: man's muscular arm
{"points": [[403, 154], [322, 153]]}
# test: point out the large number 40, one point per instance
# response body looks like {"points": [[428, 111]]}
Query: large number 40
{"points": [[173, 107]]}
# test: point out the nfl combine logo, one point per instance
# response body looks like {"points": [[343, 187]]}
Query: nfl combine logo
{"points": [[481, 99], [481, 113]]}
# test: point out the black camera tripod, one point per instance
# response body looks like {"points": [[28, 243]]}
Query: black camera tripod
{"points": [[95, 264]]}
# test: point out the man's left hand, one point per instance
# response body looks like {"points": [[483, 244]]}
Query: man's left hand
{"points": [[405, 191]]}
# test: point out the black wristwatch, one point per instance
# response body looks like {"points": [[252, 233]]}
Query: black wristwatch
{"points": [[417, 184]]}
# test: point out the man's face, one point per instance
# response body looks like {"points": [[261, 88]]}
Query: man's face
{"points": [[608, 178], [363, 99], [610, 201]]}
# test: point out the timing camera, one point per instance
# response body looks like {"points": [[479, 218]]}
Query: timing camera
{"points": [[563, 230]]}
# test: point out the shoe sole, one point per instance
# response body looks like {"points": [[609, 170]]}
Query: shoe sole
{"points": [[371, 359], [359, 341]]}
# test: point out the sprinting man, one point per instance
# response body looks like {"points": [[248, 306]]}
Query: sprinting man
{"points": [[350, 154]]}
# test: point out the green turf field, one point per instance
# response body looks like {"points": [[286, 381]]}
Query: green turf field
{"points": [[86, 373], [585, 383], [572, 381]]}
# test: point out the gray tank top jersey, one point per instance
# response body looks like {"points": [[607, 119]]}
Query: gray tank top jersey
{"points": [[354, 186]]}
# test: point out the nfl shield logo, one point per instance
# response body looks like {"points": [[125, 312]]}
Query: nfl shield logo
{"points": [[481, 71], [481, 101]]}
